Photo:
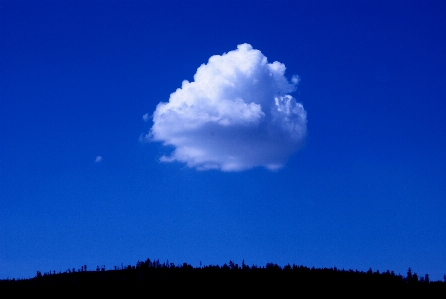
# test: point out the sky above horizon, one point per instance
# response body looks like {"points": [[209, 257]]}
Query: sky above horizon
{"points": [[301, 132]]}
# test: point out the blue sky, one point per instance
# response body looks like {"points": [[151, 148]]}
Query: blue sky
{"points": [[364, 186]]}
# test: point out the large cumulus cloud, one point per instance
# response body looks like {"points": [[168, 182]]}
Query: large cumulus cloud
{"points": [[237, 114]]}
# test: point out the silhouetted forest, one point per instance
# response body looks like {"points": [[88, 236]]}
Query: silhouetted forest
{"points": [[152, 278]]}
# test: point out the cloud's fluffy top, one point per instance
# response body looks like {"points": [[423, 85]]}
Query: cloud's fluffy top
{"points": [[237, 114]]}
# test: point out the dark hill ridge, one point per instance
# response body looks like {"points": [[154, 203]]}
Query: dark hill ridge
{"points": [[151, 277]]}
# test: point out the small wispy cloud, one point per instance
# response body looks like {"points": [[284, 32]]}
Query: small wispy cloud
{"points": [[98, 159], [237, 114], [145, 117]]}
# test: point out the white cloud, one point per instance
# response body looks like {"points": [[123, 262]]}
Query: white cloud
{"points": [[237, 114], [145, 117], [98, 159]]}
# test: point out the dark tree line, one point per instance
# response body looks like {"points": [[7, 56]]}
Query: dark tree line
{"points": [[150, 277]]}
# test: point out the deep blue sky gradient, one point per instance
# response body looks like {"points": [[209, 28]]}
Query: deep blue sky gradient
{"points": [[367, 190]]}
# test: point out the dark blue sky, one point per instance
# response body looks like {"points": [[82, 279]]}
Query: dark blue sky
{"points": [[368, 188]]}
